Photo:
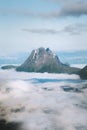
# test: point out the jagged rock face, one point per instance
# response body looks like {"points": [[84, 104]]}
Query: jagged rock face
{"points": [[83, 73], [44, 60]]}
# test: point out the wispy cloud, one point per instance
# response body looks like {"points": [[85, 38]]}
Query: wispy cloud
{"points": [[42, 31], [75, 29]]}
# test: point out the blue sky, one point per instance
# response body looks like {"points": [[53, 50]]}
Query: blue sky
{"points": [[29, 24]]}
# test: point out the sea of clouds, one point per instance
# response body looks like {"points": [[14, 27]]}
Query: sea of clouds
{"points": [[39, 102]]}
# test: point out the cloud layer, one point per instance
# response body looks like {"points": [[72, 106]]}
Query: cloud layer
{"points": [[43, 106]]}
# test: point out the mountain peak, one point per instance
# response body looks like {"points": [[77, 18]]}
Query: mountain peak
{"points": [[41, 55], [44, 60]]}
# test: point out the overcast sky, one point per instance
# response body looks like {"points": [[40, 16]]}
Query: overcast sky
{"points": [[29, 24]]}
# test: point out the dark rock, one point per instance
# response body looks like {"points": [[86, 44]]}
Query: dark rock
{"points": [[67, 88], [83, 73], [48, 89], [9, 126], [71, 89], [44, 60], [8, 67]]}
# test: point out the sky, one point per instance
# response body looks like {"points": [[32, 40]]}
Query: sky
{"points": [[29, 24]]}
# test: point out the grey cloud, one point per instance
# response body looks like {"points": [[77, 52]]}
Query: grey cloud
{"points": [[74, 9], [76, 29], [68, 8]]}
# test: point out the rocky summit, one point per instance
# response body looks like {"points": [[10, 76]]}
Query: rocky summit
{"points": [[44, 60]]}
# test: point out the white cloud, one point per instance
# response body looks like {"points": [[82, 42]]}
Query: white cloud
{"points": [[39, 108]]}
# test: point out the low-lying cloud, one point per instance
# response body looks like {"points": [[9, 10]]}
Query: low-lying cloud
{"points": [[40, 106]]}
